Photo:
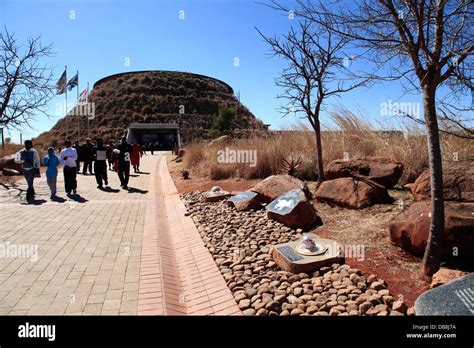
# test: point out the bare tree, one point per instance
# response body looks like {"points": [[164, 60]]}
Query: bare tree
{"points": [[422, 42], [25, 83], [316, 70]]}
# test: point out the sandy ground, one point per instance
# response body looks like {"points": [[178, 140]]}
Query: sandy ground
{"points": [[367, 229]]}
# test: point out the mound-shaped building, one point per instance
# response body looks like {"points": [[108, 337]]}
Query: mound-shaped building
{"points": [[163, 106]]}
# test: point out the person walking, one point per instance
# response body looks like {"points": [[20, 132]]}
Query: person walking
{"points": [[136, 154], [99, 154], [68, 157], [109, 153], [124, 151], [31, 164], [51, 162], [152, 147], [79, 155], [87, 150]]}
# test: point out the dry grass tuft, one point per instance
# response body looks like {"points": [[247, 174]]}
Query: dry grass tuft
{"points": [[350, 135]]}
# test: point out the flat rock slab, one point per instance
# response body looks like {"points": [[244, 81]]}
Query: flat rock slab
{"points": [[214, 196], [453, 298], [289, 260], [245, 201]]}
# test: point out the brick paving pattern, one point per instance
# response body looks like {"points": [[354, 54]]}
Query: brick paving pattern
{"points": [[110, 253]]}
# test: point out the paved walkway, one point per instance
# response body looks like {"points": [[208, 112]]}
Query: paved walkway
{"points": [[107, 252]]}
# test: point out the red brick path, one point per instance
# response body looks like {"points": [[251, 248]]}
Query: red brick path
{"points": [[178, 275]]}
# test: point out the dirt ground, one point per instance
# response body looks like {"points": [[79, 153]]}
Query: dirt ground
{"points": [[367, 229]]}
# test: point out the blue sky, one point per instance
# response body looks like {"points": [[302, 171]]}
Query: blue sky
{"points": [[97, 37]]}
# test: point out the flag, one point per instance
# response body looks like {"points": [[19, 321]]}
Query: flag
{"points": [[61, 84], [83, 96], [73, 82]]}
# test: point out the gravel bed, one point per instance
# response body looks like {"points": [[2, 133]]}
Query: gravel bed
{"points": [[240, 242]]}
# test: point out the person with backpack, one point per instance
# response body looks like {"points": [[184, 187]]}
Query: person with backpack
{"points": [[31, 164], [124, 153], [99, 155]]}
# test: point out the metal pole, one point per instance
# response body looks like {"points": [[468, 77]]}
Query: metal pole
{"points": [[77, 107], [21, 138], [3, 142], [65, 117], [87, 101]]}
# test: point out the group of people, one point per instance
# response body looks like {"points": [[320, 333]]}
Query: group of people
{"points": [[152, 146], [119, 158]]}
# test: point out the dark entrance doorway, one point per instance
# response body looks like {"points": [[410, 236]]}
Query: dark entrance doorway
{"points": [[162, 136]]}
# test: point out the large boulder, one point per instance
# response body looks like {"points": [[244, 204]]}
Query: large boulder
{"points": [[383, 171], [245, 201], [352, 193], [274, 186], [458, 180], [293, 210], [410, 230], [9, 162], [453, 298], [446, 275]]}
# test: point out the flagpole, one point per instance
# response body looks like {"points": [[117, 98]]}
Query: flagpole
{"points": [[67, 130], [87, 102], [77, 106]]}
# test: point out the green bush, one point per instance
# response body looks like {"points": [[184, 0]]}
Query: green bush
{"points": [[224, 122]]}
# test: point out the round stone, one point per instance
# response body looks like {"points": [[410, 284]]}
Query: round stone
{"points": [[248, 312], [244, 304], [296, 312]]}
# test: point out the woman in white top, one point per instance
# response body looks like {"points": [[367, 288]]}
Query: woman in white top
{"points": [[68, 157]]}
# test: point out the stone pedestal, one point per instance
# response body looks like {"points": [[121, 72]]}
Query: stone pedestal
{"points": [[288, 259], [214, 196]]}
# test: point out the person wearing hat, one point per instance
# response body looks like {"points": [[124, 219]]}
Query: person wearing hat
{"points": [[68, 157], [51, 162]]}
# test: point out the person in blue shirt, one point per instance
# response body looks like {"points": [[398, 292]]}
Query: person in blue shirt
{"points": [[51, 162]]}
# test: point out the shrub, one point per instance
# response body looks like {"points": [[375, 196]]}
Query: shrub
{"points": [[225, 120], [220, 172]]}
